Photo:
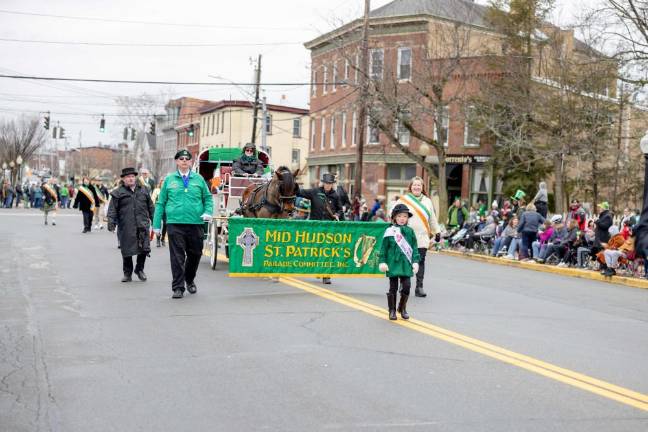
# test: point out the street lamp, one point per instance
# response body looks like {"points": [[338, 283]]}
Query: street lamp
{"points": [[19, 161], [641, 230]]}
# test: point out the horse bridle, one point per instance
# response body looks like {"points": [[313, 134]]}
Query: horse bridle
{"points": [[274, 208]]}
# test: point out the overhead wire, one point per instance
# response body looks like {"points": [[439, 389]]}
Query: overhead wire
{"points": [[149, 44]]}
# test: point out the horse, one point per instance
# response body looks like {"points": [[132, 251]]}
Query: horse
{"points": [[272, 200]]}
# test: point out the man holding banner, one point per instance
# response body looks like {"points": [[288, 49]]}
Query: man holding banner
{"points": [[325, 203], [423, 222]]}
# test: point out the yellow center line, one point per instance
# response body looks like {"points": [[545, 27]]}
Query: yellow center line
{"points": [[566, 376]]}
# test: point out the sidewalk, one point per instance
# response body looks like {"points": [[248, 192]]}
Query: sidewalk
{"points": [[572, 272]]}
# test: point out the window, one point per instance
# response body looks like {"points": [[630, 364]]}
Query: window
{"points": [[223, 122], [357, 67], [404, 63], [312, 129], [268, 124], [373, 133], [481, 185], [354, 129], [333, 130], [214, 117], [296, 156], [325, 80], [323, 137], [403, 172], [471, 128], [335, 76], [347, 70], [344, 129], [402, 133], [377, 60], [297, 128], [314, 84], [445, 123]]}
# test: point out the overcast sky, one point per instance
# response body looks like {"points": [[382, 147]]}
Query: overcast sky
{"points": [[243, 29]]}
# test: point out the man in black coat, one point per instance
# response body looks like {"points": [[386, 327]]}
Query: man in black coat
{"points": [[325, 203], [603, 224], [131, 211]]}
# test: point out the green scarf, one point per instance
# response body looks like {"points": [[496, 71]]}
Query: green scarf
{"points": [[248, 159]]}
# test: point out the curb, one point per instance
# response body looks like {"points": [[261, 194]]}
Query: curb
{"points": [[570, 272]]}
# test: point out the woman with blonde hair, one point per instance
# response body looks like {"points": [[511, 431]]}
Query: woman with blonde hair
{"points": [[528, 228], [424, 223]]}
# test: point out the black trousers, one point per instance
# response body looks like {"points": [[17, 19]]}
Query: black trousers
{"points": [[128, 264], [185, 250], [405, 284], [87, 219], [541, 208], [421, 272]]}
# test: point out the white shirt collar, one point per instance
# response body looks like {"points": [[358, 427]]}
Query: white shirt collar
{"points": [[184, 174]]}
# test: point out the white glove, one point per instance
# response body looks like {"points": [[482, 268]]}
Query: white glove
{"points": [[206, 217], [415, 268], [383, 267], [157, 231]]}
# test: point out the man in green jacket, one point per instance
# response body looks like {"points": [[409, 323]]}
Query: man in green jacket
{"points": [[457, 214], [188, 204]]}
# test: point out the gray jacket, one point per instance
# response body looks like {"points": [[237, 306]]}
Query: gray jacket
{"points": [[530, 222]]}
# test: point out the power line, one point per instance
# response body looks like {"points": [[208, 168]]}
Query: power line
{"points": [[159, 23], [150, 45], [164, 82]]}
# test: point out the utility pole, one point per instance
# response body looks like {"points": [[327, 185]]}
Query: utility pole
{"points": [[264, 130], [364, 93], [257, 80]]}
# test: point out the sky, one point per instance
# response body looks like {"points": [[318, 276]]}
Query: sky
{"points": [[237, 31]]}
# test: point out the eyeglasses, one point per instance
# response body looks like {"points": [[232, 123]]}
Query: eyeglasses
{"points": [[249, 151], [184, 159]]}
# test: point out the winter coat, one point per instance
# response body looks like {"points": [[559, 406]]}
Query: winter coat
{"points": [[510, 231], [545, 235], [424, 223], [317, 197], [183, 206], [487, 231], [603, 224], [391, 254], [132, 212], [558, 235], [242, 167], [82, 202], [457, 217], [579, 215], [530, 222]]}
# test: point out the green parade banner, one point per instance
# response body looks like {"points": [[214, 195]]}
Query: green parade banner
{"points": [[280, 247]]}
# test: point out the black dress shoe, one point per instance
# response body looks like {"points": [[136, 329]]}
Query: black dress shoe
{"points": [[127, 278], [192, 288], [177, 294], [326, 281], [141, 275]]}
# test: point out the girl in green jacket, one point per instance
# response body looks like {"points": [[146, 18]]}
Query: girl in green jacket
{"points": [[399, 258]]}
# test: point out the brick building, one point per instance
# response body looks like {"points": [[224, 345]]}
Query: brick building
{"points": [[98, 161]]}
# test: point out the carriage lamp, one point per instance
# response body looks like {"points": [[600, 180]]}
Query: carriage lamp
{"points": [[19, 160], [644, 144], [424, 150], [4, 165], [12, 164]]}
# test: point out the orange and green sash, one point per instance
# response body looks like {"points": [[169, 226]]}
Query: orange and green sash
{"points": [[88, 195], [419, 210]]}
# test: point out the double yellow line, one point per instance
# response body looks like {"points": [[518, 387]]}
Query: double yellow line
{"points": [[566, 376]]}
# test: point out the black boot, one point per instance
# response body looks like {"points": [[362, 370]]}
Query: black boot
{"points": [[141, 275], [157, 238], [391, 304], [418, 292], [127, 278], [402, 306]]}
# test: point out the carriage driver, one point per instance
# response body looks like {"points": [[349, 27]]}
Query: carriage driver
{"points": [[248, 164]]}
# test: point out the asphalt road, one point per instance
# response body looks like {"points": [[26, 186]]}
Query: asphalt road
{"points": [[79, 351]]}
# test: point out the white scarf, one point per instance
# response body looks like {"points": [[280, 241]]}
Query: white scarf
{"points": [[405, 247]]}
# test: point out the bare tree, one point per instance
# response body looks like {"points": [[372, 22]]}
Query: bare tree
{"points": [[23, 137]]}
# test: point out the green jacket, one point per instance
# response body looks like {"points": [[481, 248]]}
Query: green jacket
{"points": [[183, 206], [455, 218], [64, 191], [391, 254]]}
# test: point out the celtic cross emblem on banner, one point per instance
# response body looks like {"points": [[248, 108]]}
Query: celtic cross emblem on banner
{"points": [[248, 241]]}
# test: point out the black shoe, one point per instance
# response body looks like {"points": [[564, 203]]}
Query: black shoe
{"points": [[402, 306], [45, 222], [326, 281], [127, 278], [141, 275], [54, 223], [158, 241], [391, 304], [177, 294], [192, 288], [418, 292], [85, 230], [162, 242]]}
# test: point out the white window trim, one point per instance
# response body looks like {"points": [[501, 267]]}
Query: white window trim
{"points": [[466, 127], [369, 142], [347, 70], [357, 67], [268, 124], [344, 130], [398, 135], [323, 133], [447, 143], [354, 129], [325, 86], [299, 128], [333, 130], [314, 83], [382, 69], [335, 77], [398, 65], [312, 134]]}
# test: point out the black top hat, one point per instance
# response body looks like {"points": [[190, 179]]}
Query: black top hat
{"points": [[128, 171], [328, 178], [183, 153], [401, 208]]}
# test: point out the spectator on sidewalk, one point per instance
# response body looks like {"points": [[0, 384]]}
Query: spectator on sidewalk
{"points": [[529, 225]]}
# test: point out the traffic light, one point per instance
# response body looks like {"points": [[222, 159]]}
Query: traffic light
{"points": [[191, 131], [102, 125], [132, 134], [61, 132], [46, 123], [55, 132], [152, 127], [125, 134]]}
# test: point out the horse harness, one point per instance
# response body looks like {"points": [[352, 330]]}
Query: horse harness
{"points": [[273, 208]]}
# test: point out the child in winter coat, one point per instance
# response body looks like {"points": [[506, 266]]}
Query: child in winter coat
{"points": [[399, 258]]}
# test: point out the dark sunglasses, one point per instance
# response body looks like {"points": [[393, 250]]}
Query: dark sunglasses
{"points": [[249, 151], [184, 159]]}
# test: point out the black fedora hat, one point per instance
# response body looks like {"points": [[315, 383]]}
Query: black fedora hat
{"points": [[401, 208], [128, 171], [328, 178]]}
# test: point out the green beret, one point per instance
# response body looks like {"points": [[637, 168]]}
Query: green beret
{"points": [[182, 153]]}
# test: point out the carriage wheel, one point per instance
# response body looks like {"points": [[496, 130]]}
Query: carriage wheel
{"points": [[213, 259]]}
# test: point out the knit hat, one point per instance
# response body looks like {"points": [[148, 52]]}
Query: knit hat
{"points": [[605, 205]]}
